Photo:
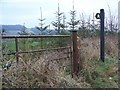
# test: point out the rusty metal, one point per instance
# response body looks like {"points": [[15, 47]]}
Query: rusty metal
{"points": [[43, 50], [32, 51], [75, 53], [36, 36], [74, 40], [16, 45], [9, 53]]}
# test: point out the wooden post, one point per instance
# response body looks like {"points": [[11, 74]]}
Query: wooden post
{"points": [[75, 53], [16, 44]]}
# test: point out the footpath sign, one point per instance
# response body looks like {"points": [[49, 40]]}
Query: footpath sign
{"points": [[101, 16]]}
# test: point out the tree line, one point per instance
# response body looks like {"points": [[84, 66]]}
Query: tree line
{"points": [[86, 27]]}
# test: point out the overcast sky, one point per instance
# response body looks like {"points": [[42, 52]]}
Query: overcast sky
{"points": [[28, 11]]}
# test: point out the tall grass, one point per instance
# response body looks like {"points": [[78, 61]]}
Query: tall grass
{"points": [[41, 73], [99, 74], [41, 70]]}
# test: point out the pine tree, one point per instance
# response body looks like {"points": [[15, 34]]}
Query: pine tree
{"points": [[64, 26], [3, 31], [57, 24], [73, 22], [23, 32], [41, 28]]}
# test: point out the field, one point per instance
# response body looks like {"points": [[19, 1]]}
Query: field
{"points": [[37, 70]]}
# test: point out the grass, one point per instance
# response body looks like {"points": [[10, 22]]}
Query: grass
{"points": [[33, 44], [40, 73], [103, 75], [37, 70], [8, 46], [97, 73]]}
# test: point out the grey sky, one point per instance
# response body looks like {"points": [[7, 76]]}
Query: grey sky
{"points": [[28, 11]]}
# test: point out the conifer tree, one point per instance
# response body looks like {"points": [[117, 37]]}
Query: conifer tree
{"points": [[41, 28], [73, 22], [57, 24], [23, 32]]}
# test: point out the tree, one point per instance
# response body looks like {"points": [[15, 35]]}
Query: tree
{"points": [[57, 24], [24, 40], [41, 28], [64, 26], [3, 31], [73, 22], [82, 21], [23, 32], [113, 25]]}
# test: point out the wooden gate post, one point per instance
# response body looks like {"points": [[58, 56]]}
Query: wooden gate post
{"points": [[75, 65]]}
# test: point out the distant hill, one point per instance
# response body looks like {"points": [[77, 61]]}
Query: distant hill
{"points": [[15, 29]]}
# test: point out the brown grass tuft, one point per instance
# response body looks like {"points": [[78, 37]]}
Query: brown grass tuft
{"points": [[41, 73]]}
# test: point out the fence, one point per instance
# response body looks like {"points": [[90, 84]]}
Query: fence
{"points": [[69, 50], [32, 36]]}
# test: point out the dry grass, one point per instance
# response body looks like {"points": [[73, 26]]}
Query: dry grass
{"points": [[90, 47], [41, 71], [93, 69]]}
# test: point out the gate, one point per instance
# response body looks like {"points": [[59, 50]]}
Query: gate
{"points": [[51, 47]]}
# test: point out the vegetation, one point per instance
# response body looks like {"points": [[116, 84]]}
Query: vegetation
{"points": [[73, 22], [3, 32], [59, 26], [41, 28], [99, 74], [37, 69], [49, 69]]}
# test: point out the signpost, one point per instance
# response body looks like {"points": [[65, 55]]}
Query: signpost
{"points": [[119, 30], [119, 16], [119, 42], [101, 16]]}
